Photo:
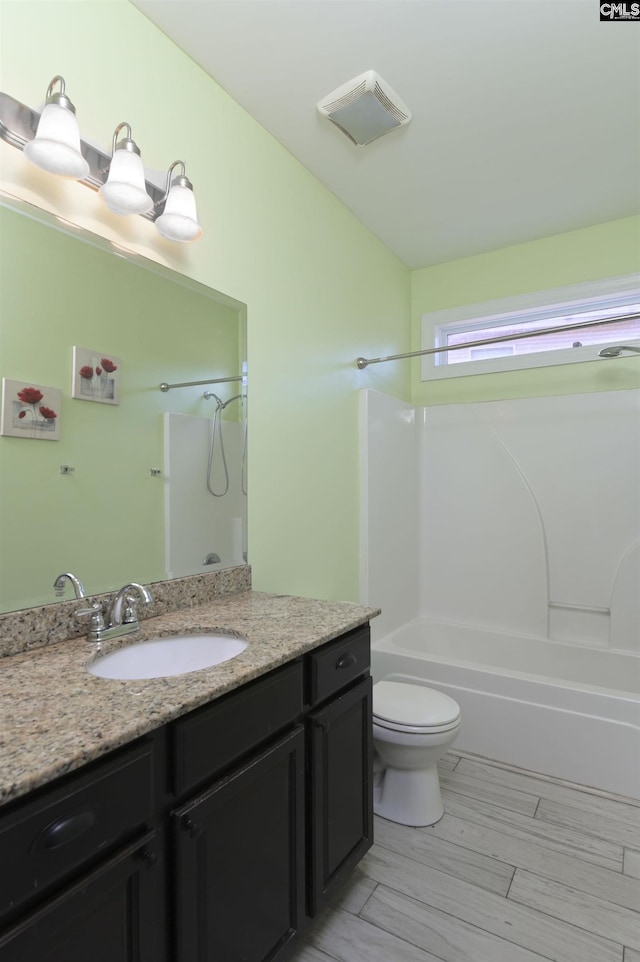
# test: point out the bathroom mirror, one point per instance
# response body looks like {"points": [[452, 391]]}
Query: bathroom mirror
{"points": [[130, 489]]}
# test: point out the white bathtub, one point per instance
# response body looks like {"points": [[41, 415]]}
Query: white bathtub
{"points": [[549, 707]]}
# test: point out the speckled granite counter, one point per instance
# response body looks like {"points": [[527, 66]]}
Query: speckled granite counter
{"points": [[55, 716]]}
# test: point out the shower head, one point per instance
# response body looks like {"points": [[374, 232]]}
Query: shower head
{"points": [[616, 351], [605, 352], [209, 394]]}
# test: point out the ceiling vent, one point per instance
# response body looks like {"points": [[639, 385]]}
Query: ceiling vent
{"points": [[365, 108]]}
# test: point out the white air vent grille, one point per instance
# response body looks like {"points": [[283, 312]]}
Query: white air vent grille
{"points": [[395, 111], [346, 99], [365, 108]]}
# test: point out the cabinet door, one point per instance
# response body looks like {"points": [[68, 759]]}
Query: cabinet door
{"points": [[239, 851], [341, 793], [111, 915]]}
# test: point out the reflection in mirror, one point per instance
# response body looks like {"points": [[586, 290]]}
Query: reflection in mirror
{"points": [[205, 498], [143, 484]]}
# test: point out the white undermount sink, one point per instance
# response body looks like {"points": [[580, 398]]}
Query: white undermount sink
{"points": [[164, 657]]}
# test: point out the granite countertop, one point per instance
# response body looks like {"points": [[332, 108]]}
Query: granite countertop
{"points": [[55, 716]]}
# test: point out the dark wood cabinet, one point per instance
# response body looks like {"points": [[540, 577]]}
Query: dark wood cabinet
{"points": [[240, 861], [217, 737], [111, 914], [213, 839], [60, 831], [341, 791]]}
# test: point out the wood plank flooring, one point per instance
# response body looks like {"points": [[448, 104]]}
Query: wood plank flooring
{"points": [[521, 868]]}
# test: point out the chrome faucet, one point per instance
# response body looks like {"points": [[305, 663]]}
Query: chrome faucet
{"points": [[78, 587], [121, 616], [122, 611]]}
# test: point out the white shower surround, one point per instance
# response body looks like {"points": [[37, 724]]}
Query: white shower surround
{"points": [[196, 523], [513, 526]]}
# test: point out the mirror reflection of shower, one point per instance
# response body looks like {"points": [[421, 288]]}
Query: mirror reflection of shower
{"points": [[217, 438], [206, 477]]}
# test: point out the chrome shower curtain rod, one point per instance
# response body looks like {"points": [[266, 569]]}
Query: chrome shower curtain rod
{"points": [[363, 362], [216, 380]]}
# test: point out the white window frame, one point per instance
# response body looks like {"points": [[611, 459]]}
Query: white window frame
{"points": [[612, 293]]}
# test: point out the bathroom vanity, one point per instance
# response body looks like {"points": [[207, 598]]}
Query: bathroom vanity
{"points": [[212, 837]]}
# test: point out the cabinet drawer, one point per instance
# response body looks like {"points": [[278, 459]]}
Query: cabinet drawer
{"points": [[338, 663], [215, 737], [112, 913], [44, 839]]}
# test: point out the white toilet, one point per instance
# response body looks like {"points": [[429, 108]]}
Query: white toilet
{"points": [[413, 727]]}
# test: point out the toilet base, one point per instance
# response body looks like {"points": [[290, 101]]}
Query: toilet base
{"points": [[408, 797]]}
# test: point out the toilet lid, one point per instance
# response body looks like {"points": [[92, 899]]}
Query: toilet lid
{"points": [[413, 706]]}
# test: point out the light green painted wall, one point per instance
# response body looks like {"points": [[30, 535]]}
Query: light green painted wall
{"points": [[320, 288], [604, 251], [105, 521]]}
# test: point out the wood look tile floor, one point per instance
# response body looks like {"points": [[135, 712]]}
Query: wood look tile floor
{"points": [[521, 868]]}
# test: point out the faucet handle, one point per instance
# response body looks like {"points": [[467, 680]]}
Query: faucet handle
{"points": [[96, 619], [129, 613], [122, 610]]}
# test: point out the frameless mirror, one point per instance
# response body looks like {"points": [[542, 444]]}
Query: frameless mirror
{"points": [[101, 472]]}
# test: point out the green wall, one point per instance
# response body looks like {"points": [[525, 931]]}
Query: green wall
{"points": [[105, 521], [607, 250], [320, 288]]}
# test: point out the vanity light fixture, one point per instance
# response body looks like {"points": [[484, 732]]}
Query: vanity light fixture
{"points": [[56, 145], [52, 141], [124, 191], [179, 220]]}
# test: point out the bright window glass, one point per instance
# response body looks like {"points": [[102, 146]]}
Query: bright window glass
{"points": [[527, 314], [558, 341]]}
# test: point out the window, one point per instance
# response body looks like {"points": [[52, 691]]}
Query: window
{"points": [[532, 312]]}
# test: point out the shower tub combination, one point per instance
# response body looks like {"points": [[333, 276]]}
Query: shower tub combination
{"points": [[549, 707]]}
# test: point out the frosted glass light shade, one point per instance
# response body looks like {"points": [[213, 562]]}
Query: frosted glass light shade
{"points": [[56, 146], [125, 191], [179, 220]]}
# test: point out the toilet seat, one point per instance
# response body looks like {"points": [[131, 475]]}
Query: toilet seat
{"points": [[412, 708], [414, 729]]}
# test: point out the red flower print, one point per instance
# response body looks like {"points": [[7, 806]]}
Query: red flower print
{"points": [[108, 365], [47, 413], [86, 372], [98, 370], [22, 414], [30, 395]]}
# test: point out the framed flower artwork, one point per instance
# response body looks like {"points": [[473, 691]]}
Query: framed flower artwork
{"points": [[96, 376], [30, 410]]}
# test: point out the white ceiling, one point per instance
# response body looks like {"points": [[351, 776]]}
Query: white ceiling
{"points": [[526, 113]]}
